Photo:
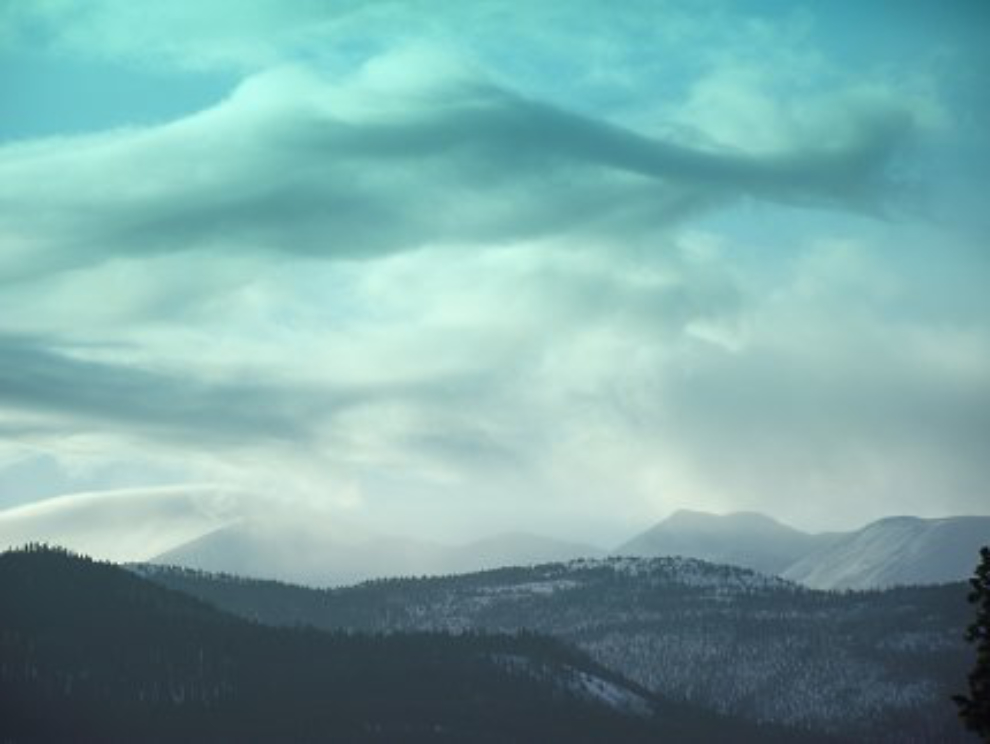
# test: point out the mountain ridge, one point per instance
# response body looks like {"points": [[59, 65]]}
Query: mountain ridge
{"points": [[223, 530], [895, 551]]}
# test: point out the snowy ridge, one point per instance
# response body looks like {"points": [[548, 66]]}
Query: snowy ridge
{"points": [[896, 551]]}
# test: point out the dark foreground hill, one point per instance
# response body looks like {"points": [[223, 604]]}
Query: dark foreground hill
{"points": [[865, 666], [90, 652]]}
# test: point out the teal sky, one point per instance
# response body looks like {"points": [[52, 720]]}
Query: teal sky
{"points": [[557, 266]]}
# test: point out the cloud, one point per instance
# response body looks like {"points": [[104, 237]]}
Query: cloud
{"points": [[123, 525], [209, 34], [416, 368], [293, 165], [38, 378], [229, 34], [486, 264], [304, 431], [554, 378], [832, 399], [192, 408]]}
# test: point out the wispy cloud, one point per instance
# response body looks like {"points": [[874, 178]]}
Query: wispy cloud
{"points": [[291, 164], [124, 524]]}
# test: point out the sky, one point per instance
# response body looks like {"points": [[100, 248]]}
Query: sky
{"points": [[447, 269]]}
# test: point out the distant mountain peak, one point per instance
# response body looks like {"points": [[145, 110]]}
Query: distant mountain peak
{"points": [[690, 518], [891, 551], [747, 538]]}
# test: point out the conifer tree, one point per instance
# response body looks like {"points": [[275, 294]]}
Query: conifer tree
{"points": [[975, 709]]}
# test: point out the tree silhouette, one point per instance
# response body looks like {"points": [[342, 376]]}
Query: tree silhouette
{"points": [[975, 709]]}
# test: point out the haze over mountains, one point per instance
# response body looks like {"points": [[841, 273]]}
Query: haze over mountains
{"points": [[210, 529], [303, 554], [744, 539], [889, 552], [124, 524]]}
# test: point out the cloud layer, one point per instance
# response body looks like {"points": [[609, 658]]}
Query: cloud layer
{"points": [[404, 272], [290, 164], [122, 525]]}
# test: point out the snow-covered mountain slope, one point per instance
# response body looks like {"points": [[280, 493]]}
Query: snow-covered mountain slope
{"points": [[745, 539], [896, 551], [334, 555]]}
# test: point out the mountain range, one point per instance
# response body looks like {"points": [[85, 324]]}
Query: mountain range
{"points": [[889, 552], [216, 530]]}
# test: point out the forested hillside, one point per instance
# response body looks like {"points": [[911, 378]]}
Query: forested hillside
{"points": [[877, 665]]}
